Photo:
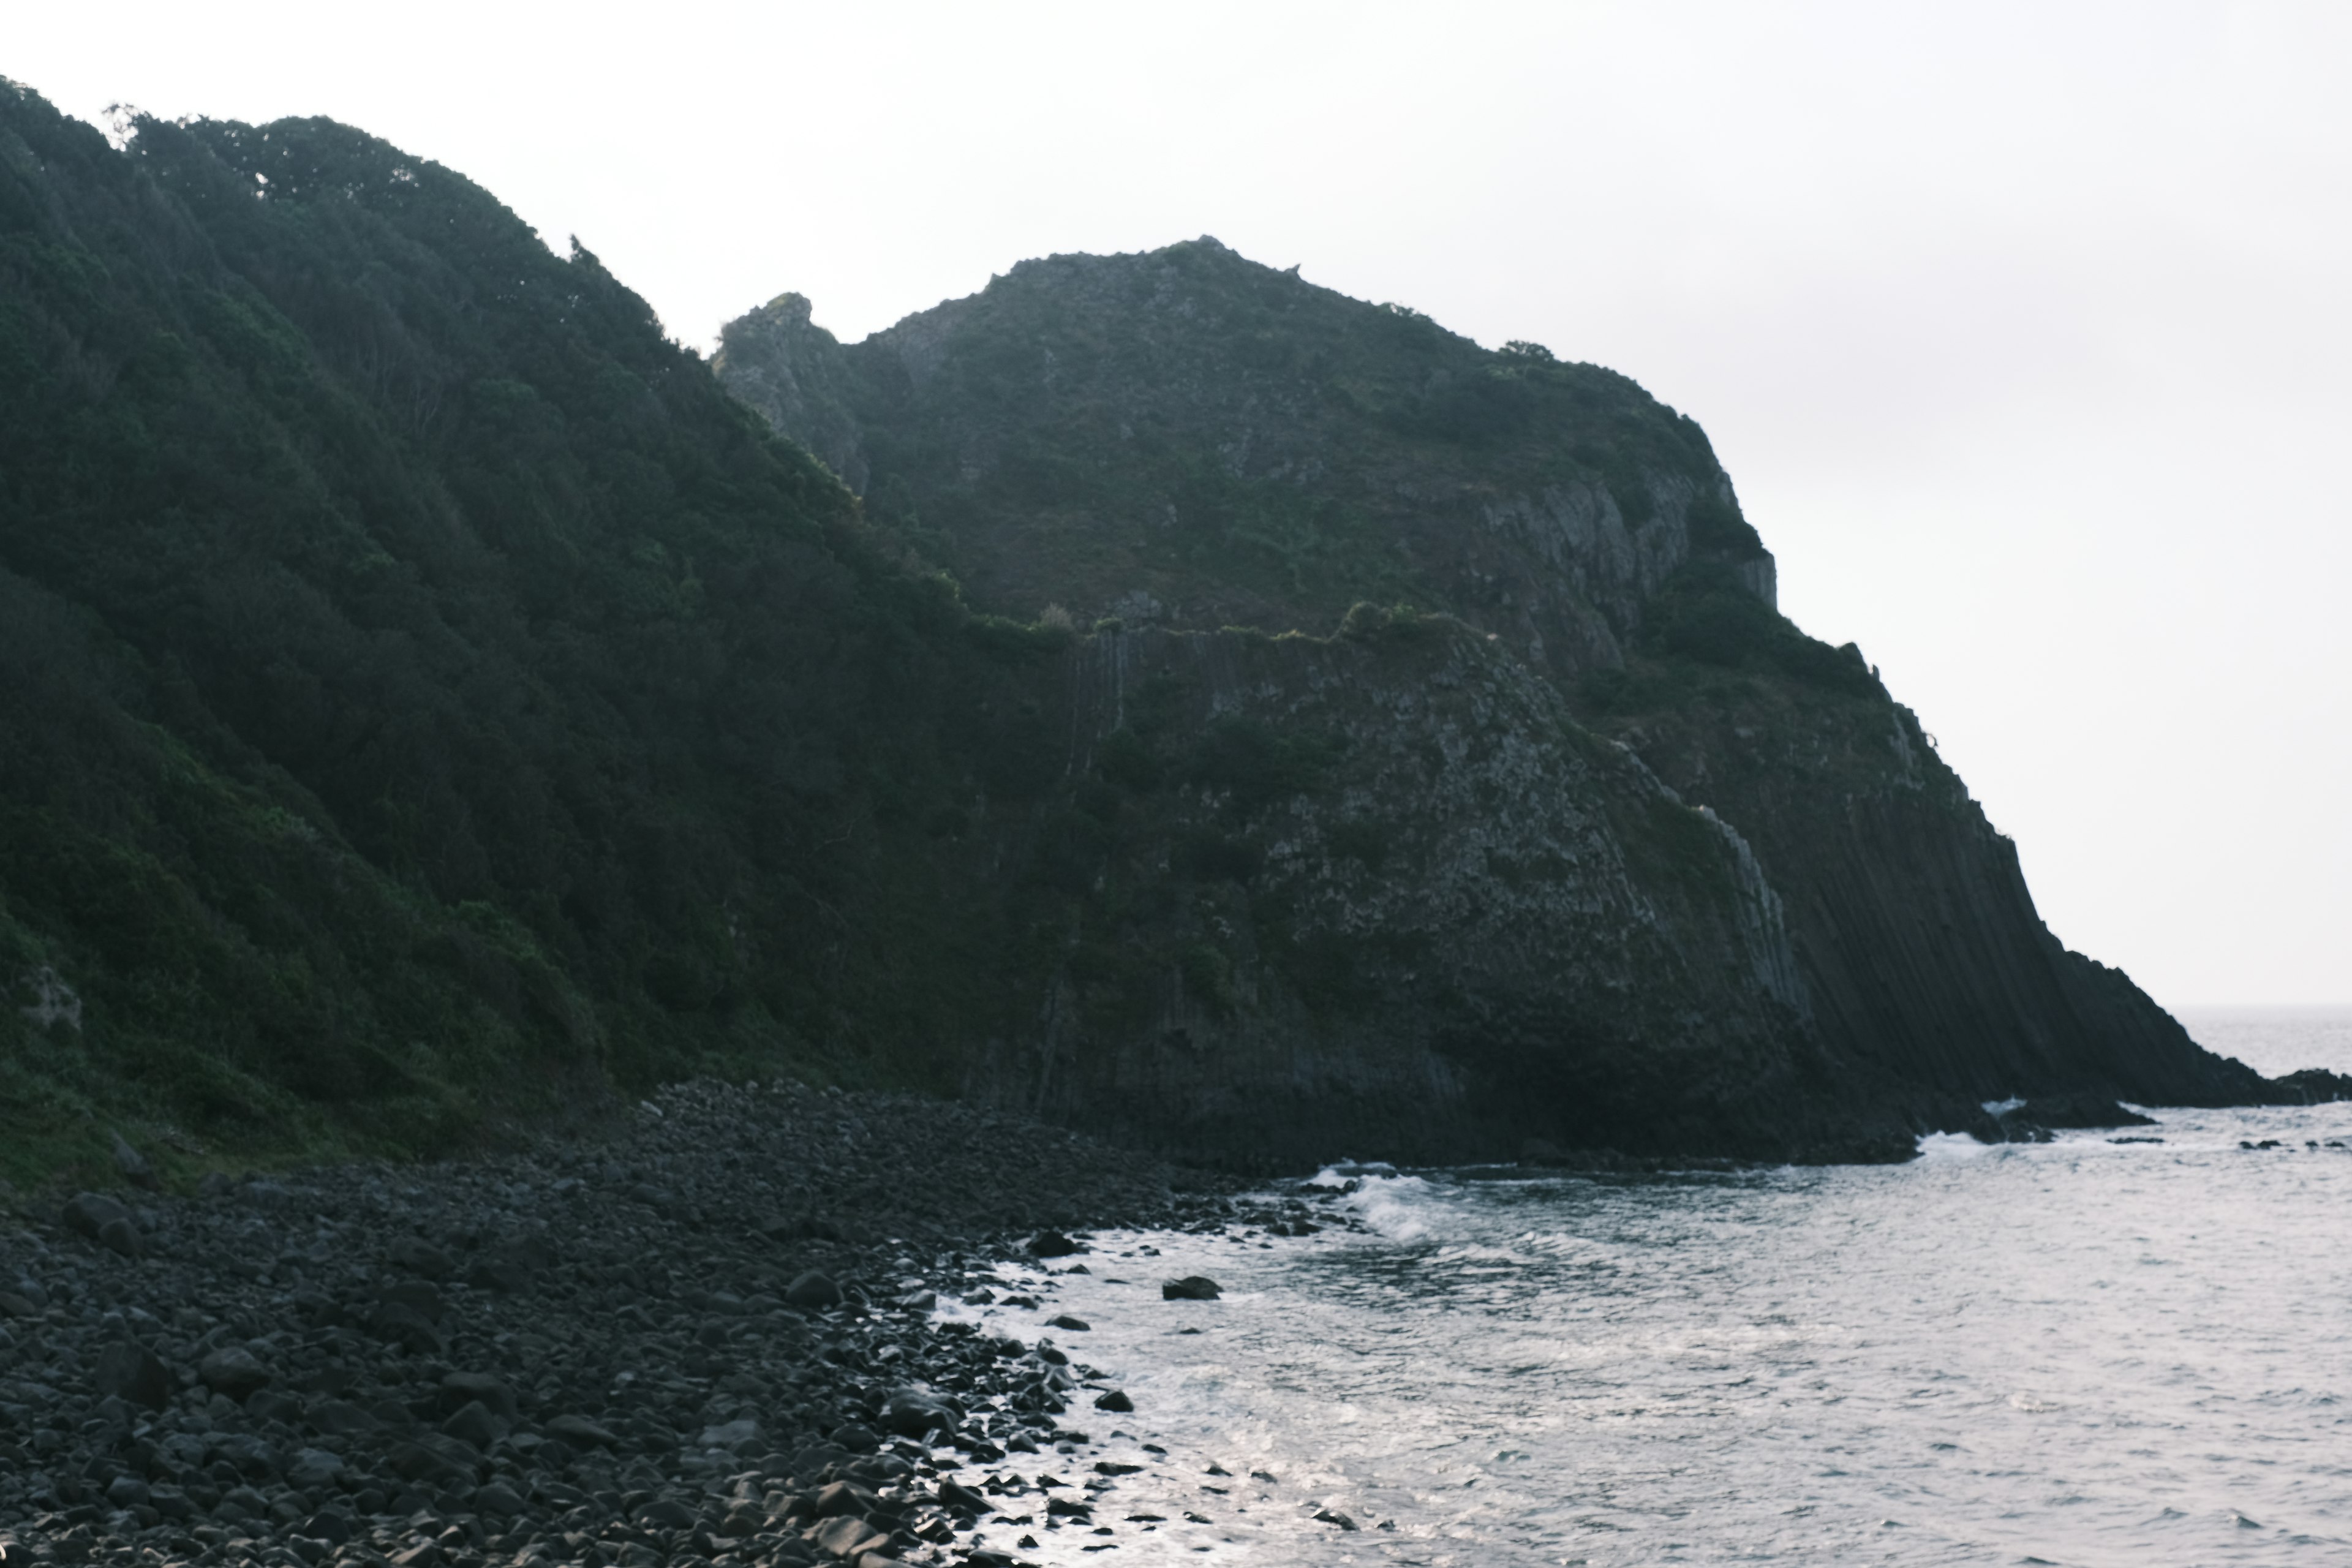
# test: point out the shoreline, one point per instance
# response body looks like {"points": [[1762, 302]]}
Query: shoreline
{"points": [[709, 1336]]}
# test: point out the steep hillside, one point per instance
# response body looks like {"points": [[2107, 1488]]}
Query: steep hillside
{"points": [[426, 695], [1188, 439], [428, 699]]}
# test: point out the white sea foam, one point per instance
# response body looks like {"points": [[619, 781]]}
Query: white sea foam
{"points": [[1951, 1146], [1402, 1208]]}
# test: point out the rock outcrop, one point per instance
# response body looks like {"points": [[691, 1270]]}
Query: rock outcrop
{"points": [[1189, 440]]}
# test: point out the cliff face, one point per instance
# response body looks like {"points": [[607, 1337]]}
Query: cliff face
{"points": [[1381, 891], [1919, 943], [1183, 439], [426, 698]]}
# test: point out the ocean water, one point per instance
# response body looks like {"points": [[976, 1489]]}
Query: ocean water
{"points": [[2078, 1353]]}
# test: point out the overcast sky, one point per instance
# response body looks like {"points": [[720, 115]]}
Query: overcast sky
{"points": [[2022, 328]]}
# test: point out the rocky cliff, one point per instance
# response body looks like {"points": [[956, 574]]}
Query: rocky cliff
{"points": [[1257, 723], [1184, 440]]}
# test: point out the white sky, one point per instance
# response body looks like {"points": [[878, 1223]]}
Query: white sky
{"points": [[2021, 327]]}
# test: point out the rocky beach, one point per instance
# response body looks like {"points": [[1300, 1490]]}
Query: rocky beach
{"points": [[738, 1325]]}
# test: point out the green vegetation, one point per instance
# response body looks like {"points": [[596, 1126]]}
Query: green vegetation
{"points": [[426, 697], [1258, 450], [1706, 615]]}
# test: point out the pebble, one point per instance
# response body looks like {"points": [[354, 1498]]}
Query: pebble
{"points": [[599, 1348]]}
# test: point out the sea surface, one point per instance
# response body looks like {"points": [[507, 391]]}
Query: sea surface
{"points": [[2079, 1352]]}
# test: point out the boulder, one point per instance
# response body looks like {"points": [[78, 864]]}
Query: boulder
{"points": [[459, 1389], [419, 1255], [133, 1166], [1191, 1288], [88, 1213], [397, 1323], [313, 1469], [134, 1372], [912, 1412], [475, 1424], [232, 1370], [837, 1498], [847, 1536], [582, 1433], [735, 1436], [813, 1289]]}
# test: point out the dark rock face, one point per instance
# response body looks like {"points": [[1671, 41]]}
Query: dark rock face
{"points": [[1383, 886], [1232, 446], [1227, 444]]}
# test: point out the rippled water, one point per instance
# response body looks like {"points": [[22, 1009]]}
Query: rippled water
{"points": [[2078, 1353]]}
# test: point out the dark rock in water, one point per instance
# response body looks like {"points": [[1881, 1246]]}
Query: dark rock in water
{"points": [[2075, 1111], [1115, 1402], [133, 1373], [1333, 1516], [419, 1255], [2312, 1086], [1191, 1288], [962, 1499], [233, 1372], [1075, 1325], [813, 1289], [1052, 1244]]}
